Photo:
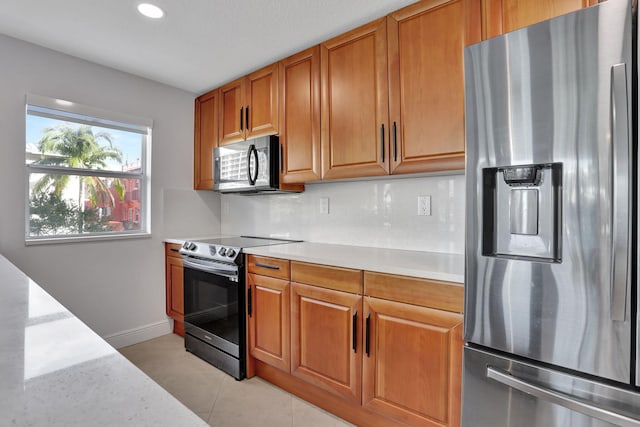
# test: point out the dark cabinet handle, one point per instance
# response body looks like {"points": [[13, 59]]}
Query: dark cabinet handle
{"points": [[354, 331], [382, 141], [367, 341], [270, 267], [395, 144], [249, 302], [246, 122], [241, 118], [281, 159]]}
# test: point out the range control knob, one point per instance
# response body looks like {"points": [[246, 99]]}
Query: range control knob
{"points": [[192, 246], [222, 251], [212, 250], [230, 252], [185, 245]]}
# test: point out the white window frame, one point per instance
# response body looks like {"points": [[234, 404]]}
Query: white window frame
{"points": [[79, 113]]}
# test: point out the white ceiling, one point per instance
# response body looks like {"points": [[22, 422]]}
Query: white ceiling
{"points": [[199, 45]]}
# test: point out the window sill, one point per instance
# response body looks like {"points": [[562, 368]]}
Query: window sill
{"points": [[85, 239]]}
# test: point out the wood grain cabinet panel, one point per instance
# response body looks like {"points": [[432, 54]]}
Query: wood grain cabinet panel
{"points": [[502, 16], [205, 139], [249, 106], [412, 372], [261, 109], [426, 83], [355, 103], [232, 102], [300, 116], [325, 347], [269, 321], [174, 287]]}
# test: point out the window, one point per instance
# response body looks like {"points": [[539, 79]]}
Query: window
{"points": [[87, 172]]}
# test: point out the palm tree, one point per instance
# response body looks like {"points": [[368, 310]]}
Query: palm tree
{"points": [[79, 148]]}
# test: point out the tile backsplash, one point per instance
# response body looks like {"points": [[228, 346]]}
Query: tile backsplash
{"points": [[378, 213]]}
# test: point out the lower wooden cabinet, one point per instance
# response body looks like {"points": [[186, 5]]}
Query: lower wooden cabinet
{"points": [[374, 348], [325, 332], [174, 286], [269, 320], [412, 370]]}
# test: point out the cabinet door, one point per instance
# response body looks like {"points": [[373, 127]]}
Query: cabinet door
{"points": [[300, 116], [412, 371], [269, 321], [426, 83], [324, 339], [261, 104], [175, 287], [205, 140], [502, 16], [355, 103], [232, 113]]}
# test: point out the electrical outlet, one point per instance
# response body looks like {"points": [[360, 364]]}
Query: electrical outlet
{"points": [[324, 205], [424, 205]]}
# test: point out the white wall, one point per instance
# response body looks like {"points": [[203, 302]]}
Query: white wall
{"points": [[379, 213], [113, 286]]}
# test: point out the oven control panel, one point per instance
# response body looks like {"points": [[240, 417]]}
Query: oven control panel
{"points": [[218, 253]]}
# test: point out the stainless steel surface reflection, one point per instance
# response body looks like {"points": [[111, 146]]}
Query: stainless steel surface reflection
{"points": [[544, 97], [501, 392]]}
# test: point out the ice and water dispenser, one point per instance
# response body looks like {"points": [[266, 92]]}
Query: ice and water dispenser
{"points": [[522, 212]]}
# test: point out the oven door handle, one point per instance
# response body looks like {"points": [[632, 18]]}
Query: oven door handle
{"points": [[208, 268]]}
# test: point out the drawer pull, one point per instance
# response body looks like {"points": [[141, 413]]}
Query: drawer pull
{"points": [[270, 267]]}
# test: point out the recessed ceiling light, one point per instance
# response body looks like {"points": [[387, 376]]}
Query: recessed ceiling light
{"points": [[150, 10], [63, 102]]}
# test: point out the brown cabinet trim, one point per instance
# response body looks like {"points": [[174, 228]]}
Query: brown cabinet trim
{"points": [[436, 294], [325, 276]]}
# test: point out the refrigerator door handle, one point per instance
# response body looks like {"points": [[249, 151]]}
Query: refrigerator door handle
{"points": [[621, 194], [561, 399]]}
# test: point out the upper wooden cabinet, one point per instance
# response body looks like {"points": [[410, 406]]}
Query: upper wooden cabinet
{"points": [[300, 116], [502, 16], [205, 139], [249, 106], [426, 83], [355, 103]]}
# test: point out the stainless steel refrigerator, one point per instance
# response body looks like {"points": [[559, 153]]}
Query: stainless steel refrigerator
{"points": [[551, 296]]}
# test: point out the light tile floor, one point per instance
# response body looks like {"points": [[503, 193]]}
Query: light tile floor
{"points": [[217, 397]]}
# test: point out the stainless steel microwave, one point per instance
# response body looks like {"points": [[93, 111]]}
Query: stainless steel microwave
{"points": [[248, 166]]}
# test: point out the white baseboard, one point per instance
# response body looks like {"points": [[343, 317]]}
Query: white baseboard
{"points": [[137, 335]]}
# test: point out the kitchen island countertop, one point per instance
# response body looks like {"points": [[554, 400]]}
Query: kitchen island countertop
{"points": [[57, 372], [426, 265]]}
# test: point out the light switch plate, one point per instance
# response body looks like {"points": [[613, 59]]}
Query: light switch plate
{"points": [[424, 205], [324, 205]]}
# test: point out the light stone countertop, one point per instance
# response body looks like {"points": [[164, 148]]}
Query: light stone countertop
{"points": [[57, 372], [426, 265]]}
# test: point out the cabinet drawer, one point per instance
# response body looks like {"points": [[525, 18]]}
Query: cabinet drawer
{"points": [[337, 278], [447, 296], [265, 266], [171, 249]]}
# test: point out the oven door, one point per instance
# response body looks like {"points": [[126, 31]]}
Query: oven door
{"points": [[214, 304]]}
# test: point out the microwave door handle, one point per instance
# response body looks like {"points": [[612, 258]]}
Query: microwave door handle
{"points": [[249, 164], [620, 193], [255, 174]]}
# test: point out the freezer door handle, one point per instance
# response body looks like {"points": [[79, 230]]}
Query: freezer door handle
{"points": [[561, 399], [621, 192]]}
